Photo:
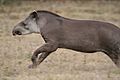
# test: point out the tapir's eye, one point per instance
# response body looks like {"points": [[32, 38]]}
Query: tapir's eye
{"points": [[24, 24], [26, 27]]}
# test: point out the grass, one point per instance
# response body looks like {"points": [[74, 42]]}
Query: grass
{"points": [[64, 64]]}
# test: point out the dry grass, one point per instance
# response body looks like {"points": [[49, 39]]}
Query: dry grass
{"points": [[15, 52]]}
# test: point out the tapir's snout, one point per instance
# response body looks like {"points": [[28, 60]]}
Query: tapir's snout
{"points": [[16, 32]]}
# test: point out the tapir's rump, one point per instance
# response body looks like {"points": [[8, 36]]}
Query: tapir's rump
{"points": [[79, 35]]}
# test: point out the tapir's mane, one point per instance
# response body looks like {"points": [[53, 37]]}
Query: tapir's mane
{"points": [[43, 11]]}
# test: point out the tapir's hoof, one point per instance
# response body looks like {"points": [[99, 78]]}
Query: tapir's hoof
{"points": [[32, 66]]}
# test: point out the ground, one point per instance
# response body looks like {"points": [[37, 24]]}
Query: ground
{"points": [[64, 64]]}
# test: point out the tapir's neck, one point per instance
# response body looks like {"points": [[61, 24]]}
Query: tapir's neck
{"points": [[41, 22], [37, 30]]}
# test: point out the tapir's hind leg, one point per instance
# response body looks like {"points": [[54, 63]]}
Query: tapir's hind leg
{"points": [[115, 57]]}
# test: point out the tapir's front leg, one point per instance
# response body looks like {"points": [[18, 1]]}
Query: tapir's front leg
{"points": [[45, 50], [42, 57]]}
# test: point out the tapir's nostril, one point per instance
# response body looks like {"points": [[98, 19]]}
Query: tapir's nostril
{"points": [[13, 32], [16, 33]]}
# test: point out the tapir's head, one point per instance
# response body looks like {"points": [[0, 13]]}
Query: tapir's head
{"points": [[27, 26]]}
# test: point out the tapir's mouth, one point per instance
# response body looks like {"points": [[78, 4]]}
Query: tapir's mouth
{"points": [[16, 33]]}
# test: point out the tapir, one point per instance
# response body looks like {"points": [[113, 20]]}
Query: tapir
{"points": [[86, 36]]}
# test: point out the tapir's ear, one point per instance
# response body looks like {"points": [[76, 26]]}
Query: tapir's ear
{"points": [[34, 14]]}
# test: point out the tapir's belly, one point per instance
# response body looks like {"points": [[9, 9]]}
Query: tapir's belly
{"points": [[80, 43]]}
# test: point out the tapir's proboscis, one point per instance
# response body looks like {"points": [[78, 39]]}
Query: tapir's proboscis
{"points": [[80, 35]]}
